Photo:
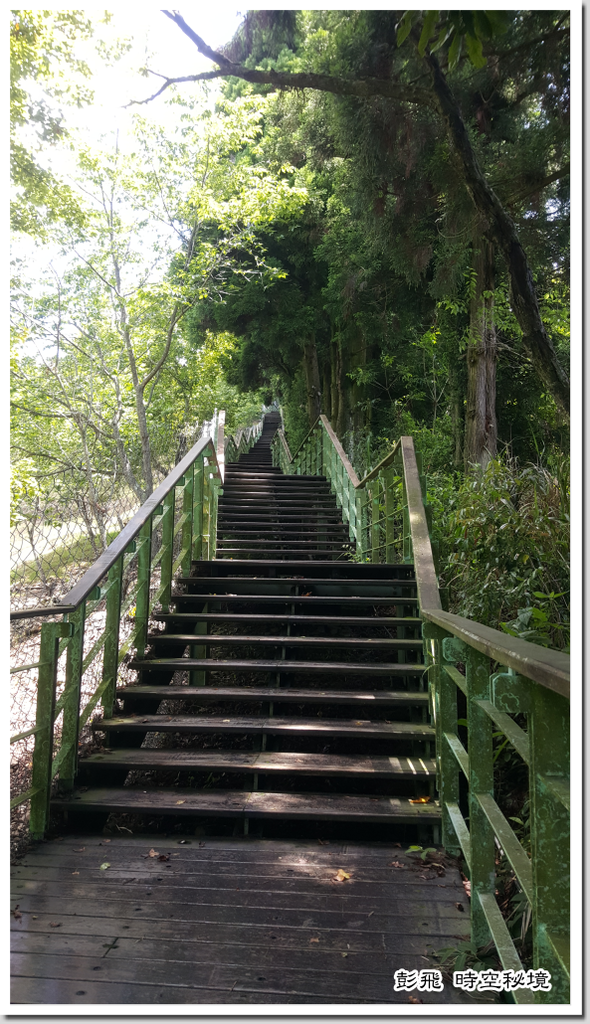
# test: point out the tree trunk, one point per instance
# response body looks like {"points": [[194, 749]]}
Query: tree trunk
{"points": [[536, 341], [456, 403], [312, 380], [481, 427], [335, 381]]}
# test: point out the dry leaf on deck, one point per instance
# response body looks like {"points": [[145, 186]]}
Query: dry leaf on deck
{"points": [[55, 924], [341, 875], [104, 866], [153, 853], [421, 800], [314, 940]]}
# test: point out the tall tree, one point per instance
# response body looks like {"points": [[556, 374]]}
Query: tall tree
{"points": [[397, 84]]}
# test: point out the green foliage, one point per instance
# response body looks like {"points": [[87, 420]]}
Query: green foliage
{"points": [[505, 536], [43, 52]]}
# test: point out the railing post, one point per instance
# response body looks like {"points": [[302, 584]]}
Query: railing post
{"points": [[142, 602], [110, 664], [481, 781], [550, 848], [206, 529], [43, 752], [198, 481], [444, 701], [375, 521], [187, 526], [169, 504], [69, 735], [389, 511]]}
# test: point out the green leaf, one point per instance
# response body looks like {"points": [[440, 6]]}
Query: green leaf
{"points": [[405, 26], [475, 51], [427, 30], [455, 51]]}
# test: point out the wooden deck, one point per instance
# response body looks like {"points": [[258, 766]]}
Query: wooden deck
{"points": [[177, 920]]}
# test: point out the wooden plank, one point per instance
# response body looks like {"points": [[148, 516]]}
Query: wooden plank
{"points": [[231, 803], [431, 921], [266, 761], [426, 581], [542, 664], [294, 620], [308, 599], [221, 640], [246, 724], [339, 668], [166, 892], [282, 695], [33, 990]]}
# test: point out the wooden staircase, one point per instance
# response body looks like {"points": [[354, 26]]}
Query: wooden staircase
{"points": [[285, 683]]}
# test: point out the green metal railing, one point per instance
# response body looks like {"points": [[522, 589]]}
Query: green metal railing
{"points": [[105, 616], [499, 685]]}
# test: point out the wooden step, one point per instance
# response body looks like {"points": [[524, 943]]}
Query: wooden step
{"points": [[342, 668], [305, 600], [277, 695], [258, 724], [343, 643], [378, 587], [323, 765], [239, 804], [297, 568], [303, 621]]}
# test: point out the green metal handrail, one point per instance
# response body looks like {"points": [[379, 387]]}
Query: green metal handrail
{"points": [[389, 521], [106, 613]]}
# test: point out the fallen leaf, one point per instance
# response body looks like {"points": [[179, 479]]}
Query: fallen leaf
{"points": [[35, 918], [79, 850], [371, 913], [181, 801], [55, 924], [164, 856], [75, 872], [17, 914], [344, 954], [106, 840], [104, 866], [396, 864], [314, 940], [421, 800], [153, 853], [341, 875]]}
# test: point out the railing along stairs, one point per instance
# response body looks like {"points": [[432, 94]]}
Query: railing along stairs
{"points": [[106, 614], [528, 683], [525, 697]]}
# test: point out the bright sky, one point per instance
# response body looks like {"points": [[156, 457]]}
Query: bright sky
{"points": [[157, 43]]}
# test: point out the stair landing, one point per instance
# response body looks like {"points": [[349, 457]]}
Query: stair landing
{"points": [[179, 919]]}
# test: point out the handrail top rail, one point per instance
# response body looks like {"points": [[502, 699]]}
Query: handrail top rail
{"points": [[343, 457], [385, 462], [551, 670], [285, 443], [104, 562], [305, 439]]}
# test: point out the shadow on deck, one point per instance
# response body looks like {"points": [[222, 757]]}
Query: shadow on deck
{"points": [[175, 920]]}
